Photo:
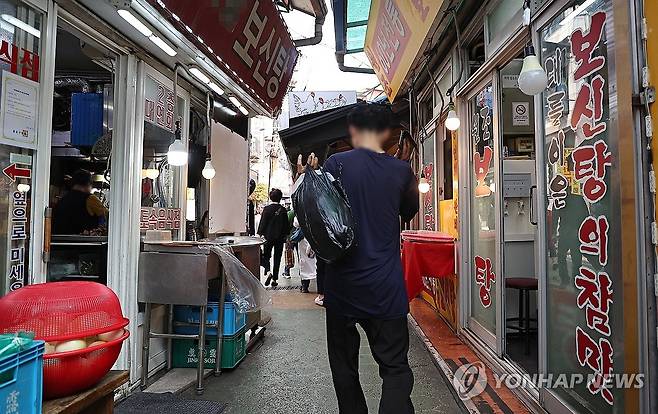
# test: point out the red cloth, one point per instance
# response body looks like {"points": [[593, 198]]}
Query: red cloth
{"points": [[425, 253]]}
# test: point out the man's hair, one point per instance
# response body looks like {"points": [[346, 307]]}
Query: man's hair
{"points": [[371, 117], [81, 177], [276, 195]]}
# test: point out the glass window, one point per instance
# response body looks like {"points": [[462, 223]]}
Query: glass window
{"points": [[447, 165], [20, 46], [501, 22], [160, 183], [585, 324], [483, 209]]}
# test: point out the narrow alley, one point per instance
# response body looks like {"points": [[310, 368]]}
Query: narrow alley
{"points": [[288, 373]]}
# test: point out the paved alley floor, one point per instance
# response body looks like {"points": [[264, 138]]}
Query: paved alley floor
{"points": [[289, 372]]}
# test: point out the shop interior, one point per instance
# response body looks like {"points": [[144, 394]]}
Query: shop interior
{"points": [[80, 168], [519, 231]]}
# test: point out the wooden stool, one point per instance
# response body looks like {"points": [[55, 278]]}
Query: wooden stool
{"points": [[524, 285], [97, 400]]}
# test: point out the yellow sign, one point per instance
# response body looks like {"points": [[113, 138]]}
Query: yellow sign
{"points": [[396, 32]]}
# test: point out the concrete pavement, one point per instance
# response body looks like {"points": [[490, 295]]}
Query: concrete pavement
{"points": [[289, 373]]}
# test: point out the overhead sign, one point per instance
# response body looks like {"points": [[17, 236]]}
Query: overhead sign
{"points": [[248, 39], [304, 103], [396, 32]]}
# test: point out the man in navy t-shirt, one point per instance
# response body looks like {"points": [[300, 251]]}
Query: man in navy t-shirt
{"points": [[366, 286]]}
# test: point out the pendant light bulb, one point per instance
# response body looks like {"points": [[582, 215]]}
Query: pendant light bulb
{"points": [[208, 171], [452, 122], [532, 79], [423, 184], [177, 154]]}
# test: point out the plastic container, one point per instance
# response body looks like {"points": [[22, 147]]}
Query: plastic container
{"points": [[61, 311], [66, 373], [234, 321], [21, 376], [185, 352]]}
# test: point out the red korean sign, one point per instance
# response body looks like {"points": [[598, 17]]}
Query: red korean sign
{"points": [[582, 214], [248, 39], [157, 218]]}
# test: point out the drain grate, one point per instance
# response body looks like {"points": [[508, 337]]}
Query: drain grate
{"points": [[284, 287]]}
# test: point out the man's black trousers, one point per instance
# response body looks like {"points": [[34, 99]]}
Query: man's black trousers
{"points": [[389, 344], [268, 246]]}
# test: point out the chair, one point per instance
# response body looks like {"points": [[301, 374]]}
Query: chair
{"points": [[524, 285]]}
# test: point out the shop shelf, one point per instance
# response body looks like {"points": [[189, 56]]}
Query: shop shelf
{"points": [[185, 352], [187, 319], [21, 379]]}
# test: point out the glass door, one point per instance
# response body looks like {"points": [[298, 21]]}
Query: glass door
{"points": [[484, 220], [20, 45]]}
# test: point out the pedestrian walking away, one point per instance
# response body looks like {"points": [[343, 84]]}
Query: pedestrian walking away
{"points": [[274, 226], [366, 285]]}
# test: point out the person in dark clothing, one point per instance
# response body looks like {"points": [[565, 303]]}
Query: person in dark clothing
{"points": [[274, 227], [366, 286], [79, 210]]}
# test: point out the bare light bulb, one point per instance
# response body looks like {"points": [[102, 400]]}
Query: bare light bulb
{"points": [[208, 171], [423, 185], [533, 78], [177, 154], [452, 122], [152, 173]]}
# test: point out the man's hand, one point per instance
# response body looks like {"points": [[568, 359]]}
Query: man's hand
{"points": [[312, 161], [405, 148]]}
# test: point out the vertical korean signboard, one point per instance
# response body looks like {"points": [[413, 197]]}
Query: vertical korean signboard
{"points": [[584, 295], [248, 39], [20, 73]]}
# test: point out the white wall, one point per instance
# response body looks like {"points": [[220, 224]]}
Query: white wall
{"points": [[228, 190]]}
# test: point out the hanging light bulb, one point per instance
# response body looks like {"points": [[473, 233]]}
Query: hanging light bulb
{"points": [[151, 171], [533, 78], [452, 122], [423, 184], [208, 171], [177, 154]]}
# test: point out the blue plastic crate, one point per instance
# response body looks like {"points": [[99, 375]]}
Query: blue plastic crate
{"points": [[234, 321], [21, 381]]}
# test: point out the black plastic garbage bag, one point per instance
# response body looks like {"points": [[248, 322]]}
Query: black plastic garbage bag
{"points": [[324, 214]]}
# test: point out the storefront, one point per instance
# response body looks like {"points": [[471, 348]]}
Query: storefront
{"points": [[555, 250], [110, 87]]}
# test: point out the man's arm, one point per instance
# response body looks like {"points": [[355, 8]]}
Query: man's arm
{"points": [[410, 200], [95, 207]]}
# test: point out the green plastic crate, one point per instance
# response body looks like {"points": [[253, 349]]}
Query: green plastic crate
{"points": [[185, 352]]}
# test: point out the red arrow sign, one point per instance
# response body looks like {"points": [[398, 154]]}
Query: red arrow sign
{"points": [[12, 171]]}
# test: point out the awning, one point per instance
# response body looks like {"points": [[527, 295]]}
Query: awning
{"points": [[350, 27]]}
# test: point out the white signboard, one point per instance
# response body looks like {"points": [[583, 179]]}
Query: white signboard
{"points": [[305, 103], [510, 81], [19, 102], [520, 113]]}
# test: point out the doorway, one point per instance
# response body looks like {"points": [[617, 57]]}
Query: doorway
{"points": [[80, 164], [519, 219]]}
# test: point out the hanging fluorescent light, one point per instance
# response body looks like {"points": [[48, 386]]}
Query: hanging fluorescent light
{"points": [[423, 184], [533, 78], [235, 101], [216, 88], [452, 122], [177, 154], [243, 110], [208, 171], [21, 25], [135, 22], [199, 75], [163, 45]]}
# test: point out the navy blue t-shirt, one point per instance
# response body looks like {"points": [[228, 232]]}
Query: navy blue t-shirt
{"points": [[368, 281]]}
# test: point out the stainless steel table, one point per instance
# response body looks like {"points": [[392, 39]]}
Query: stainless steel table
{"points": [[178, 273]]}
